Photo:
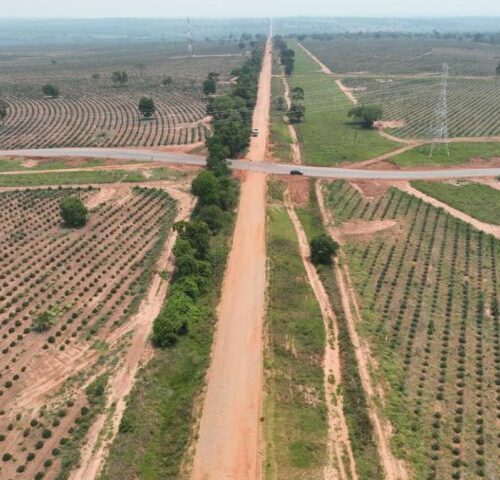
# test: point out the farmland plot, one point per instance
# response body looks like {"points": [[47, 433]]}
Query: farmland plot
{"points": [[473, 104], [428, 288], [66, 298], [92, 111], [405, 55]]}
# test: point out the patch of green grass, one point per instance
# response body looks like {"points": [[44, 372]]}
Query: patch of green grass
{"points": [[279, 137], [80, 178], [15, 164], [327, 135], [156, 427], [478, 201], [296, 425], [460, 153]]}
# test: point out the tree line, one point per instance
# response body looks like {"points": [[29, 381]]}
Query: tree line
{"points": [[286, 55], [217, 193]]}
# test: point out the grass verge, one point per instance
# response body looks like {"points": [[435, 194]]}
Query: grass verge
{"points": [[460, 153], [296, 424], [81, 178], [478, 201], [279, 136], [327, 136]]}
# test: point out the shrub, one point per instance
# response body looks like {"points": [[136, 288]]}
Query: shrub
{"points": [[50, 90], [6, 457]]}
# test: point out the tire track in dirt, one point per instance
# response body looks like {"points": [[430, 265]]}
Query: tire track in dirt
{"points": [[394, 468], [338, 442]]}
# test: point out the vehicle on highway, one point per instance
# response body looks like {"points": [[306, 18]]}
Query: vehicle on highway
{"points": [[296, 172]]}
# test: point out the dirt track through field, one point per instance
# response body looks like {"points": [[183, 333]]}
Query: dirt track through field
{"points": [[485, 227], [339, 450], [94, 452], [295, 146], [229, 438], [394, 468]]}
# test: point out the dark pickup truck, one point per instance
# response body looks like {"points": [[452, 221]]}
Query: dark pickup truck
{"points": [[296, 172]]}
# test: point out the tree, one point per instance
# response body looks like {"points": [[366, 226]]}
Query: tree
{"points": [[206, 187], [167, 81], [213, 216], [174, 319], [297, 94], [217, 156], [198, 236], [366, 114], [323, 249], [296, 113], [3, 112], [209, 86], [96, 76], [147, 107], [43, 321], [50, 90], [73, 212], [120, 78], [498, 69]]}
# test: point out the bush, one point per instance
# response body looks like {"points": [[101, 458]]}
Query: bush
{"points": [[147, 107], [50, 90], [214, 217], [323, 249], [73, 212], [6, 457]]}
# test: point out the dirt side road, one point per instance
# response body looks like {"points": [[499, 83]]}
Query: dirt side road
{"points": [[485, 227], [228, 445]]}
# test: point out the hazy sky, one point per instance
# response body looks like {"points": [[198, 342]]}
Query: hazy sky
{"points": [[200, 8]]}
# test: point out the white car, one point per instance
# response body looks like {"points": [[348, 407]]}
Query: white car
{"points": [[255, 132]]}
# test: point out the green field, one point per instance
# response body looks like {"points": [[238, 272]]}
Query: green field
{"points": [[460, 153], [327, 136], [478, 201], [279, 137], [85, 177], [295, 412]]}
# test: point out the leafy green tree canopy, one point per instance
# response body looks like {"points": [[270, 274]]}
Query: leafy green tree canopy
{"points": [[50, 90], [366, 114], [323, 249], [147, 107], [73, 212], [121, 78]]}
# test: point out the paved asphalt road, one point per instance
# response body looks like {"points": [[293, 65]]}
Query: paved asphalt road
{"points": [[144, 155]]}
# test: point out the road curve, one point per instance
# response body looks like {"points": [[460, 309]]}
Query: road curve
{"points": [[145, 155]]}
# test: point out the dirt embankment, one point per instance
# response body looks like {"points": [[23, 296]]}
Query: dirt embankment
{"points": [[394, 468]]}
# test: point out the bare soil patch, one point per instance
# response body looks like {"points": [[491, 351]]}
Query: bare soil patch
{"points": [[370, 188], [364, 227]]}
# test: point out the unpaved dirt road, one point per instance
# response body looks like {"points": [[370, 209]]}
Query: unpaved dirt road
{"points": [[394, 468], [485, 227], [341, 464], [228, 445]]}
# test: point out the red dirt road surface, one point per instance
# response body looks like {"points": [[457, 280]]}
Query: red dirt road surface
{"points": [[228, 445]]}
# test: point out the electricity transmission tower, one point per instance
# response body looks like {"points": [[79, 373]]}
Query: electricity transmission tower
{"points": [[189, 39], [439, 131]]}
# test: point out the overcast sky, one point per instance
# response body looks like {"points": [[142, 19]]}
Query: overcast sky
{"points": [[243, 8]]}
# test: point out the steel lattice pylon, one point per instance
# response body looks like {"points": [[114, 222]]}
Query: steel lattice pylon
{"points": [[439, 130]]}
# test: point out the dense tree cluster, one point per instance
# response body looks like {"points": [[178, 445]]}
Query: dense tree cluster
{"points": [[3, 112], [119, 78], [210, 84], [287, 55], [216, 192], [367, 115]]}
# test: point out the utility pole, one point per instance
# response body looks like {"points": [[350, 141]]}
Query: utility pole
{"points": [[189, 39], [439, 130]]}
